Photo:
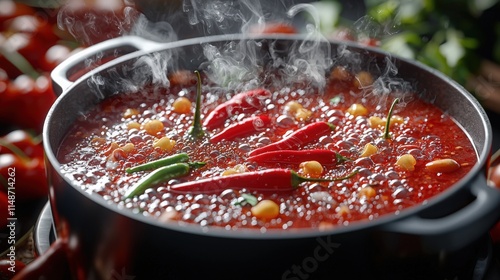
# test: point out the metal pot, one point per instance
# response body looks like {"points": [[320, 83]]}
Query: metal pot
{"points": [[437, 238]]}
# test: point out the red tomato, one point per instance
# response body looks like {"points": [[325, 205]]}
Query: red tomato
{"points": [[344, 34], [10, 9], [3, 209], [31, 37], [495, 175], [25, 102], [54, 55], [24, 141], [91, 22], [29, 176]]}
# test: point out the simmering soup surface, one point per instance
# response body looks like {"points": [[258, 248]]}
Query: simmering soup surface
{"points": [[339, 134]]}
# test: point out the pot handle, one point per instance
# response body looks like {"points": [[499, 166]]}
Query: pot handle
{"points": [[457, 229], [79, 64]]}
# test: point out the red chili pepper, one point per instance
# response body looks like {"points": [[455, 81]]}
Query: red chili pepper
{"points": [[53, 264], [325, 157], [298, 138], [245, 127], [248, 102], [276, 179]]}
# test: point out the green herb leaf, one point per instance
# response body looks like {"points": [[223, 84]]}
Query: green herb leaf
{"points": [[244, 199], [336, 100]]}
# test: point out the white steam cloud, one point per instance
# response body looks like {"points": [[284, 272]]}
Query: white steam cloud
{"points": [[236, 65]]}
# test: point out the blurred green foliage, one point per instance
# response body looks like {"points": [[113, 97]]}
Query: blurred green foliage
{"points": [[449, 35]]}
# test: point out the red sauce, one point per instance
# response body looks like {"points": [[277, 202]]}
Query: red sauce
{"points": [[380, 187]]}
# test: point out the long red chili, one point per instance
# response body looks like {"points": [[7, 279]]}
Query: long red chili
{"points": [[248, 102], [325, 157], [243, 128], [277, 179], [298, 138]]}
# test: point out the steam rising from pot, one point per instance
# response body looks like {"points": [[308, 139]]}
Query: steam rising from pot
{"points": [[235, 65]]}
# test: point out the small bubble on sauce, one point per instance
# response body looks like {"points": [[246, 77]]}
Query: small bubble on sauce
{"points": [[285, 121]]}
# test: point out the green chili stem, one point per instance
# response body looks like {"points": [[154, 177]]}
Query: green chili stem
{"points": [[196, 131], [182, 157], [389, 116]]}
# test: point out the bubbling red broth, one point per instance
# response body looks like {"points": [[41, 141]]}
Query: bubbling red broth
{"points": [[426, 152]]}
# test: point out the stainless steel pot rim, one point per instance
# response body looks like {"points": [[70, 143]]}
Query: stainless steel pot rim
{"points": [[483, 154]]}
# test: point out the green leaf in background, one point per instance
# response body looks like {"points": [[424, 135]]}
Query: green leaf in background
{"points": [[452, 49], [400, 44]]}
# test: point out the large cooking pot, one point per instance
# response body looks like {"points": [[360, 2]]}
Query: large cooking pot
{"points": [[435, 239]]}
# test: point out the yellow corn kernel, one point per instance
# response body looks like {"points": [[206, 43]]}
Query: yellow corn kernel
{"points": [[153, 127], [363, 79], [292, 107], [169, 215], [442, 165], [396, 120], [239, 168], [128, 148], [369, 150], [311, 168], [367, 192], [266, 209], [165, 144], [133, 125], [98, 141], [325, 226], [406, 162], [182, 105], [302, 114], [113, 146], [182, 77], [343, 210], [379, 122], [376, 122], [228, 172], [357, 110], [130, 113], [341, 73]]}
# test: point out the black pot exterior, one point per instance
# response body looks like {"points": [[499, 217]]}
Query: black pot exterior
{"points": [[429, 240]]}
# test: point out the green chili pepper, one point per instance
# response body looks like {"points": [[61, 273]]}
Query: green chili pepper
{"points": [[160, 175], [182, 157]]}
